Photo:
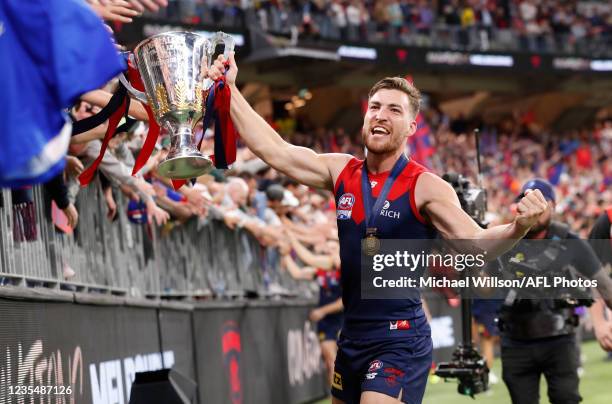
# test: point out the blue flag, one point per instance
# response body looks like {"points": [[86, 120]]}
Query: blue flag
{"points": [[52, 51]]}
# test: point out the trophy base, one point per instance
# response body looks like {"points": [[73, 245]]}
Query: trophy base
{"points": [[184, 167]]}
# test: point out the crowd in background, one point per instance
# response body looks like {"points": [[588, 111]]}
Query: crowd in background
{"points": [[473, 24], [255, 196], [577, 162]]}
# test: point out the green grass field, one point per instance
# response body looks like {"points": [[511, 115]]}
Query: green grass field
{"points": [[595, 384]]}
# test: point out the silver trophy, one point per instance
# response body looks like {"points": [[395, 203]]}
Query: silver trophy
{"points": [[170, 65]]}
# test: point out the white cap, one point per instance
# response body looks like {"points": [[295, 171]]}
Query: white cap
{"points": [[289, 199]]}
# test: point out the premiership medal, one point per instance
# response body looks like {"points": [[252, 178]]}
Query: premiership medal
{"points": [[371, 244]]}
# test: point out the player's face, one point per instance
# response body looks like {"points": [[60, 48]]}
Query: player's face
{"points": [[388, 121]]}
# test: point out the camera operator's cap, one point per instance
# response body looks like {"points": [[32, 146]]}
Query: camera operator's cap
{"points": [[544, 186]]}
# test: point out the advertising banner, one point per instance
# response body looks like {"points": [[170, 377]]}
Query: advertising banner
{"points": [[75, 353], [262, 353]]}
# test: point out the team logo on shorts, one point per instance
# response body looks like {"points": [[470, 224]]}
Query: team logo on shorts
{"points": [[345, 206], [375, 365], [337, 383]]}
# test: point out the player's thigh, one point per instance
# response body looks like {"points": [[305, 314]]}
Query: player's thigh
{"points": [[336, 400], [374, 397]]}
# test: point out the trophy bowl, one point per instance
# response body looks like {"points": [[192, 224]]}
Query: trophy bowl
{"points": [[170, 66]]}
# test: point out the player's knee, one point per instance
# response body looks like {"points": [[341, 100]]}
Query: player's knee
{"points": [[328, 350]]}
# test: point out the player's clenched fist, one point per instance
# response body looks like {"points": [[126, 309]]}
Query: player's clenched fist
{"points": [[530, 208], [217, 69]]}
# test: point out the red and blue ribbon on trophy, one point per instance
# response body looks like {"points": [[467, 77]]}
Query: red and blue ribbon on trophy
{"points": [[218, 109]]}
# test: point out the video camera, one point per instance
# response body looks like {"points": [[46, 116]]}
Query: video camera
{"points": [[469, 368], [564, 297], [473, 199], [467, 365]]}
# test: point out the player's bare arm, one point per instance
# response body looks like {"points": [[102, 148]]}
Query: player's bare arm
{"points": [[439, 204], [299, 163], [330, 308]]}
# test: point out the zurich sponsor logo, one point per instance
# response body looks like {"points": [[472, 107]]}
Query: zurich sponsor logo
{"points": [[389, 213]]}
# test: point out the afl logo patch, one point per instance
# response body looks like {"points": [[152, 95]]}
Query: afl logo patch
{"points": [[346, 202], [345, 206]]}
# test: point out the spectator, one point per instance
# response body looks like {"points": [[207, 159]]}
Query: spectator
{"points": [[425, 18], [339, 18]]}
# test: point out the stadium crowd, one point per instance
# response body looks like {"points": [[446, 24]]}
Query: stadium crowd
{"points": [[473, 24], [577, 162]]}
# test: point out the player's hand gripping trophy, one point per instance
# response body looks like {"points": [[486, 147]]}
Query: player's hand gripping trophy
{"points": [[170, 66]]}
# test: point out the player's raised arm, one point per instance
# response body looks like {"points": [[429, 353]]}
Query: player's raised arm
{"points": [[438, 202], [300, 163]]}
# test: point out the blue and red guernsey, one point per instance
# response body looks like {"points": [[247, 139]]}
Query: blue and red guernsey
{"points": [[329, 285], [400, 219]]}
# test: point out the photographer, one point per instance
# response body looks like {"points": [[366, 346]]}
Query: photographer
{"points": [[538, 335]]}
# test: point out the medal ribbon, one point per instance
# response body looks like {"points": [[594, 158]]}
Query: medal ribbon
{"points": [[371, 214]]}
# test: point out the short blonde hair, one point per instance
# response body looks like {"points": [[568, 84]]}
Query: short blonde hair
{"points": [[403, 85]]}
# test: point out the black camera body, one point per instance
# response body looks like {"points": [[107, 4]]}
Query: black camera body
{"points": [[473, 199], [565, 297], [467, 365], [469, 368], [531, 312]]}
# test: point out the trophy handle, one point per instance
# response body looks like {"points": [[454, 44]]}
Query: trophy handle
{"points": [[139, 95], [228, 46]]}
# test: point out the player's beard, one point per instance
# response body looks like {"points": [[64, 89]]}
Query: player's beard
{"points": [[390, 145]]}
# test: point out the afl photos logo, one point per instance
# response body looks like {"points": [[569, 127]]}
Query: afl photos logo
{"points": [[345, 206]]}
